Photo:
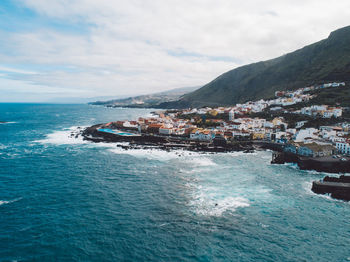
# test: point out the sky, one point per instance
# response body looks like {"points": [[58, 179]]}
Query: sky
{"points": [[60, 49]]}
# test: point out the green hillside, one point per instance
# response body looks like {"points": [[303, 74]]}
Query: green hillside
{"points": [[325, 61]]}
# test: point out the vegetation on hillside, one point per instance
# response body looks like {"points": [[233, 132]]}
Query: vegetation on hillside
{"points": [[324, 61]]}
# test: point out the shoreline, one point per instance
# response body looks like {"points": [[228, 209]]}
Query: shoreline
{"points": [[335, 189], [167, 143], [319, 164]]}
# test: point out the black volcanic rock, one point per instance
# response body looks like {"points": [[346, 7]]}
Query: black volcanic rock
{"points": [[338, 188]]}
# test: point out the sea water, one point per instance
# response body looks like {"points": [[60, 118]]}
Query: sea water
{"points": [[65, 199]]}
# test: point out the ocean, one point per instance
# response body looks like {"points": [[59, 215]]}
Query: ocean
{"points": [[65, 199]]}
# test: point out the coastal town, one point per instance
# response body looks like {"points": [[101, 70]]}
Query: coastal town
{"points": [[298, 130], [242, 122]]}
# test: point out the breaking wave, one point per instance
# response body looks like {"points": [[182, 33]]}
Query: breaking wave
{"points": [[6, 123], [66, 136], [4, 202], [152, 154], [206, 206]]}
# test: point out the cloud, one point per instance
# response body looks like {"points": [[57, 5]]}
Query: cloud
{"points": [[15, 70], [142, 46]]}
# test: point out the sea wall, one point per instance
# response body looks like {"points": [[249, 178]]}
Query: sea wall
{"points": [[320, 164], [338, 188]]}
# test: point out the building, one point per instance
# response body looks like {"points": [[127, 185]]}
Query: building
{"points": [[258, 136], [343, 148], [315, 150], [154, 128], [302, 134], [300, 124], [165, 131], [231, 115]]}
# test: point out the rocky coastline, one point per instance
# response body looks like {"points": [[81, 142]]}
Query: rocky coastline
{"points": [[336, 187], [167, 143], [319, 164]]}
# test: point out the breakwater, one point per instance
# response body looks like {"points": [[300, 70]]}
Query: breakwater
{"points": [[338, 188], [320, 164]]}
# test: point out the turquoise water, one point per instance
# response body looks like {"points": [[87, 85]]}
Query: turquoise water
{"points": [[107, 130], [64, 199]]}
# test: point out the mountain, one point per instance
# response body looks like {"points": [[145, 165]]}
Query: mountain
{"points": [[151, 100], [325, 61]]}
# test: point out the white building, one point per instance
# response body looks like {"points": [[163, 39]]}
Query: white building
{"points": [[165, 131], [343, 147], [334, 112], [305, 133], [231, 115], [300, 124]]}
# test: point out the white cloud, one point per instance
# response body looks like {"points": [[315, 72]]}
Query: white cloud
{"points": [[128, 47], [15, 70]]}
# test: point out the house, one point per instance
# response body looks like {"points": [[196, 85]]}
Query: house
{"points": [[278, 121], [231, 115], [206, 135], [343, 147], [258, 136], [165, 131], [328, 134], [291, 131], [203, 135], [178, 131], [228, 134], [302, 134], [237, 125], [258, 122], [154, 128], [268, 124], [300, 124], [142, 128], [241, 135]]}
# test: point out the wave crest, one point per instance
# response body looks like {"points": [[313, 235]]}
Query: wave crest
{"points": [[67, 136], [4, 202]]}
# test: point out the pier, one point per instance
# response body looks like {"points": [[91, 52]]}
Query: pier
{"points": [[338, 188]]}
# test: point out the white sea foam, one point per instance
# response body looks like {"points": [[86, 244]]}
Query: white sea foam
{"points": [[292, 165], [6, 123], [205, 205], [238, 153], [64, 137], [153, 154], [314, 172], [200, 161], [307, 185], [4, 202]]}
